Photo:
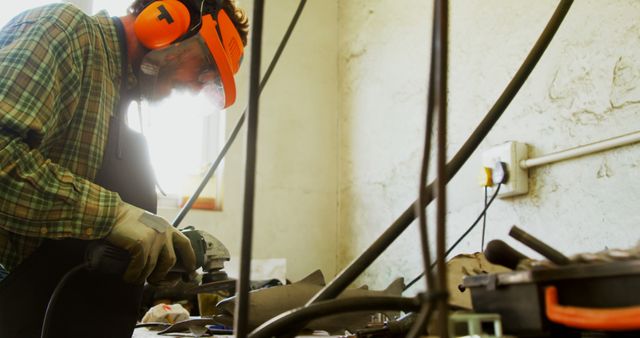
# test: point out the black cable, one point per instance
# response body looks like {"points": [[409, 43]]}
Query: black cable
{"points": [[484, 218], [350, 273], [286, 322], [214, 166], [48, 313], [241, 317], [454, 245]]}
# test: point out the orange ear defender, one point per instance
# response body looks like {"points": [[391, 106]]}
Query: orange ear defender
{"points": [[161, 23]]}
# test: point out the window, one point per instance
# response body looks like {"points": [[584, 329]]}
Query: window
{"points": [[184, 138]]}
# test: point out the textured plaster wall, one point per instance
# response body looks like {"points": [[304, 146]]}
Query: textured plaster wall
{"points": [[584, 89], [296, 198]]}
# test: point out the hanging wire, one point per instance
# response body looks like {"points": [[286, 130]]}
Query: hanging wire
{"points": [[484, 218], [459, 240]]}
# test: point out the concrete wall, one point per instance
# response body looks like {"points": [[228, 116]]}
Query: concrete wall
{"points": [[584, 89], [295, 215]]}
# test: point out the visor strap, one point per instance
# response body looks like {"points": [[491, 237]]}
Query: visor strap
{"points": [[124, 97], [122, 39]]}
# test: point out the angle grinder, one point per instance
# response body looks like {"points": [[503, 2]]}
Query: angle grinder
{"points": [[210, 255]]}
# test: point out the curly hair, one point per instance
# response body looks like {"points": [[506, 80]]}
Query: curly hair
{"points": [[237, 15]]}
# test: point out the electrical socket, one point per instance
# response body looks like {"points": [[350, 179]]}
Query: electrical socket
{"points": [[511, 153]]}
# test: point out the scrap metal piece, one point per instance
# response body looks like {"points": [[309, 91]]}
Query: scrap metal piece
{"points": [[195, 326], [270, 302]]}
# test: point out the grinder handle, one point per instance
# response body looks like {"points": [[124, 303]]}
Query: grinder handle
{"points": [[106, 258], [611, 319]]}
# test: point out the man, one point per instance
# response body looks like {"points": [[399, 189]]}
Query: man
{"points": [[72, 173]]}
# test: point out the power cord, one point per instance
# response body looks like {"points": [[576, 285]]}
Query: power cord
{"points": [[484, 211], [99, 257], [54, 298], [484, 218]]}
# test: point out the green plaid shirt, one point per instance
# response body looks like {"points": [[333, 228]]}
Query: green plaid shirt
{"points": [[59, 83]]}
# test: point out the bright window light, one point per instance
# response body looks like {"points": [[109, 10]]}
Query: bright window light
{"points": [[183, 132], [11, 9]]}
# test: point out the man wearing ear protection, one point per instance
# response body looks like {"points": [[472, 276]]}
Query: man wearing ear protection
{"points": [[72, 172], [188, 48]]}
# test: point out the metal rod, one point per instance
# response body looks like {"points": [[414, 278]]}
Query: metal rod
{"points": [[586, 149], [442, 66], [424, 169], [539, 246], [232, 137], [241, 316], [351, 272]]}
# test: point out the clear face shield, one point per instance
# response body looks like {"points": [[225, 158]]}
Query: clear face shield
{"points": [[184, 66], [202, 63]]}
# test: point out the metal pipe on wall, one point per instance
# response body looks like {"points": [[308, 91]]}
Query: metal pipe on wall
{"points": [[582, 150]]}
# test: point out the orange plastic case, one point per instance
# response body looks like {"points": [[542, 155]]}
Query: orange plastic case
{"points": [[611, 319]]}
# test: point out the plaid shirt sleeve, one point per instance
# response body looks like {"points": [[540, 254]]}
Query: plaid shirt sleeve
{"points": [[39, 77]]}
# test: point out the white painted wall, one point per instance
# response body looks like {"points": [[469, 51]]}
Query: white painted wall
{"points": [[584, 89], [296, 198]]}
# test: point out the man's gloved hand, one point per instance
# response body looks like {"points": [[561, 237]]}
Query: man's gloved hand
{"points": [[152, 243]]}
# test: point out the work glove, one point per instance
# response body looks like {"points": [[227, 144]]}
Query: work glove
{"points": [[152, 242]]}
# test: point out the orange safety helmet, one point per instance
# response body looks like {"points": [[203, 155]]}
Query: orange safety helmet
{"points": [[170, 29]]}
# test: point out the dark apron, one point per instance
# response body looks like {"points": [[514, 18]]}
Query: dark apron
{"points": [[91, 304]]}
